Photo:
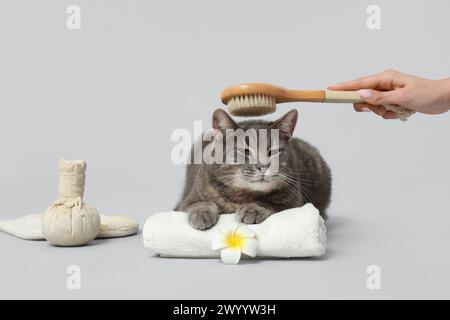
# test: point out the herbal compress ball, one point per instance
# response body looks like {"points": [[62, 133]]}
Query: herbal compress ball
{"points": [[69, 221]]}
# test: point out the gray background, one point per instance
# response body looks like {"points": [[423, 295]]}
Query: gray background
{"points": [[113, 92]]}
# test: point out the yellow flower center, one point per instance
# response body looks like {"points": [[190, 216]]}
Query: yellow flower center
{"points": [[235, 240]]}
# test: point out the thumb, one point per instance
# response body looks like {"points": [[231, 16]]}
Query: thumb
{"points": [[375, 97]]}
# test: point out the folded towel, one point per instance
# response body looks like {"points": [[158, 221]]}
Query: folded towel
{"points": [[297, 232], [29, 227]]}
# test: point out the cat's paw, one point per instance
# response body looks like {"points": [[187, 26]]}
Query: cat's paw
{"points": [[252, 213], [203, 215]]}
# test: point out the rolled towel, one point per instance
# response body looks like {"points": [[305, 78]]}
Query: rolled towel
{"points": [[292, 233]]}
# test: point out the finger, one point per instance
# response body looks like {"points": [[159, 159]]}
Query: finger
{"points": [[390, 115], [387, 80], [361, 107], [375, 97], [379, 110], [361, 83]]}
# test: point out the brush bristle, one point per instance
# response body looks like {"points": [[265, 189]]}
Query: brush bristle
{"points": [[251, 105]]}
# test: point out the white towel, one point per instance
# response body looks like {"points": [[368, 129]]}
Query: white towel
{"points": [[297, 232], [29, 226]]}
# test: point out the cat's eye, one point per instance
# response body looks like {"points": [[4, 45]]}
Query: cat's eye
{"points": [[274, 152], [245, 152]]}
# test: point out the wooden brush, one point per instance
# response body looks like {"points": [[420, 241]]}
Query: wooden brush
{"points": [[257, 99]]}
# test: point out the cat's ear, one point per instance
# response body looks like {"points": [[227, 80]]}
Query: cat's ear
{"points": [[222, 121], [286, 124]]}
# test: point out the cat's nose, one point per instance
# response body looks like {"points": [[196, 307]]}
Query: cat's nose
{"points": [[262, 168]]}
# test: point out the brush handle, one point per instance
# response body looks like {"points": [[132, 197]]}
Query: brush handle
{"points": [[329, 96], [333, 96]]}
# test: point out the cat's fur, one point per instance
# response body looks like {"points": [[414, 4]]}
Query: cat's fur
{"points": [[214, 189]]}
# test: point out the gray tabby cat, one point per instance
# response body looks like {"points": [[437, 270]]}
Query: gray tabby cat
{"points": [[251, 190]]}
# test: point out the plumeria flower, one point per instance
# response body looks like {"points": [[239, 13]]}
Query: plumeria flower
{"points": [[233, 242]]}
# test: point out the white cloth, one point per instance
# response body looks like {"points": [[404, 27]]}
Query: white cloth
{"points": [[297, 232], [29, 227]]}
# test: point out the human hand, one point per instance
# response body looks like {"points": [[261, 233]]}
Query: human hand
{"points": [[395, 88]]}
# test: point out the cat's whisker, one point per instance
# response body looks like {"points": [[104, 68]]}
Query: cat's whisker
{"points": [[288, 178], [304, 181], [296, 192], [227, 180], [303, 190], [296, 180], [293, 184]]}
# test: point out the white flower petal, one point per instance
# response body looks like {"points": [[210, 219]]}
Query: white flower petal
{"points": [[249, 247], [230, 255], [218, 241], [245, 231]]}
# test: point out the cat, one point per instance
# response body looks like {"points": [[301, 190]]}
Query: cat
{"points": [[254, 191]]}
